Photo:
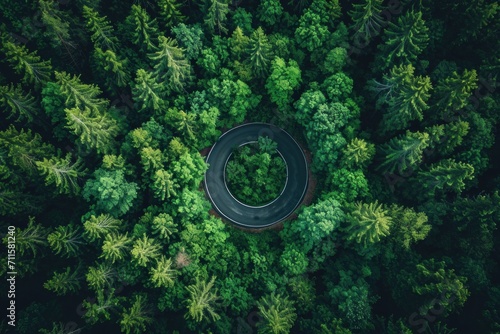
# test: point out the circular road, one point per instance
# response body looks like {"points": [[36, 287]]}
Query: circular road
{"points": [[256, 216]]}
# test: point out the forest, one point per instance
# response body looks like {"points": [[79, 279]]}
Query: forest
{"points": [[107, 110]]}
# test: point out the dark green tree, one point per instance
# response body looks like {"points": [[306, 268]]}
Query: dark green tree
{"points": [[102, 33], [259, 53], [17, 104]]}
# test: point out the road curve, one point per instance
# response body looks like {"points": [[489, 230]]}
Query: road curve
{"points": [[250, 216]]}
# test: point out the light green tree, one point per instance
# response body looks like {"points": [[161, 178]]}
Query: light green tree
{"points": [[170, 64], [403, 153], [100, 276], [447, 174], [100, 309], [408, 226], [80, 95], [97, 227], [135, 319], [17, 104], [102, 33], [163, 275], [453, 93], [202, 300], [278, 314], [115, 247], [358, 153], [163, 185], [63, 282], [284, 79], [164, 226], [368, 223], [311, 32], [145, 250], [66, 240], [62, 172], [147, 93], [57, 24], [259, 53], [111, 68], [30, 239]]}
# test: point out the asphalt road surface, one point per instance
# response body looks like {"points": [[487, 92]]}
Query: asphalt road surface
{"points": [[252, 216]]}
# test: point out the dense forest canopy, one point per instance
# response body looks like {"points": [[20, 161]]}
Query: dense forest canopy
{"points": [[107, 108]]}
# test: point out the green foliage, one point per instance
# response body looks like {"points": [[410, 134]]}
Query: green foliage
{"points": [[145, 250], [100, 310], [30, 239], [115, 247], [102, 33], [190, 38], [270, 11], [311, 32], [284, 79], [66, 240], [163, 275], [453, 92], [368, 223], [404, 40], [358, 153], [80, 95], [147, 93], [259, 53], [111, 192], [112, 68], [278, 314], [216, 15], [17, 104], [100, 277], [145, 29], [29, 64], [63, 282], [367, 18], [202, 300], [137, 317], [170, 12], [97, 227], [62, 172], [408, 226], [447, 174]]}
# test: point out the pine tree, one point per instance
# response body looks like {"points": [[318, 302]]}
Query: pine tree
{"points": [[115, 247], [403, 153], [171, 67], [408, 226], [101, 30], [151, 159], [18, 104], [31, 238], [163, 185], [145, 250], [29, 64], [62, 172], [163, 275], [145, 29], [404, 40], [358, 153], [100, 310], [63, 282], [147, 92], [367, 18], [57, 23], [97, 227], [201, 301], [216, 15], [368, 223], [278, 314], [80, 95], [135, 319], [170, 12], [453, 92], [97, 132], [100, 277], [111, 68], [66, 240], [164, 226], [259, 53], [447, 174]]}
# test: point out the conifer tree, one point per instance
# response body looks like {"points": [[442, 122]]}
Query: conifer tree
{"points": [[145, 250], [63, 282], [102, 33], [367, 18], [404, 40], [29, 64], [97, 132], [135, 318], [145, 29], [201, 301], [163, 275], [100, 310], [163, 185], [31, 238], [358, 153], [80, 95], [216, 15], [171, 67], [278, 314], [170, 12], [147, 93], [453, 93], [18, 104], [97, 227], [446, 174], [111, 68], [164, 226], [115, 247], [368, 223], [404, 153], [408, 226], [57, 24], [66, 240], [62, 172], [100, 277], [259, 53]]}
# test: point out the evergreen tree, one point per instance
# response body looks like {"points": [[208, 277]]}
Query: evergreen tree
{"points": [[111, 68], [163, 186], [171, 66], [30, 239], [259, 53], [102, 33], [446, 174], [97, 227], [147, 93], [29, 64], [453, 93], [63, 282], [311, 32], [66, 240], [17, 104], [164, 226], [201, 300], [270, 11], [368, 223], [367, 18], [115, 247], [100, 277], [62, 172], [278, 314], [97, 131], [100, 310], [216, 15], [358, 153], [145, 29], [284, 79], [408, 226], [57, 24], [163, 275], [80, 95], [145, 250], [404, 40], [137, 317], [170, 12], [404, 153]]}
